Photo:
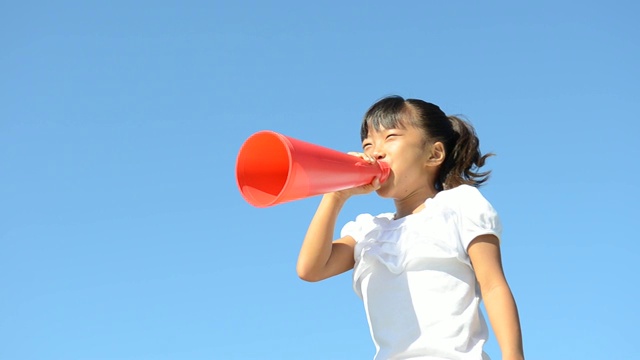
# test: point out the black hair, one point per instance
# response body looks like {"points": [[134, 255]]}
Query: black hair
{"points": [[463, 158]]}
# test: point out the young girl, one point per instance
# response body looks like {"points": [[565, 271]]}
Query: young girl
{"points": [[423, 270]]}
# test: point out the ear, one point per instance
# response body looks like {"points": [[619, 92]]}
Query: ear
{"points": [[436, 154]]}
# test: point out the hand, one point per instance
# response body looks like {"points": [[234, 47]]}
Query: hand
{"points": [[363, 189]]}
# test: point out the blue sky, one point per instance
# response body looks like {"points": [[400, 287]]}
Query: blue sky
{"points": [[123, 234]]}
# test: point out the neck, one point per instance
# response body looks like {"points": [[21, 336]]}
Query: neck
{"points": [[414, 202]]}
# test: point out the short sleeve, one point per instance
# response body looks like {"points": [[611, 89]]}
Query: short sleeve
{"points": [[358, 228], [477, 216]]}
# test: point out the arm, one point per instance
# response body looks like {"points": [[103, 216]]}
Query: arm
{"points": [[320, 257], [484, 252]]}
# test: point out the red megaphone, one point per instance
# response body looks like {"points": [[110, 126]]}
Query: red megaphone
{"points": [[272, 168]]}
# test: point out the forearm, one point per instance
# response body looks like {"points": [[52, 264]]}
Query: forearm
{"points": [[503, 315], [316, 248]]}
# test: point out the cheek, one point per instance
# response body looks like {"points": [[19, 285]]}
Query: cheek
{"points": [[406, 170]]}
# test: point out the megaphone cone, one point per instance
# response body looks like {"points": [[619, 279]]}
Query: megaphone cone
{"points": [[272, 169]]}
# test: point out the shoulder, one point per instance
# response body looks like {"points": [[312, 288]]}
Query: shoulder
{"points": [[469, 203], [462, 190], [366, 219], [363, 224], [476, 214], [464, 196]]}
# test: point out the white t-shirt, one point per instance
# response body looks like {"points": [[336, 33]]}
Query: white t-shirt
{"points": [[416, 280]]}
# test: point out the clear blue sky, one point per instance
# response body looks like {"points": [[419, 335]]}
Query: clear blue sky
{"points": [[123, 234]]}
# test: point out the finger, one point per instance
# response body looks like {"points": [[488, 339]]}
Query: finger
{"points": [[367, 158], [363, 156], [376, 183]]}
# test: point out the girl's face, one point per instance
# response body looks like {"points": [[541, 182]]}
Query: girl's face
{"points": [[408, 154]]}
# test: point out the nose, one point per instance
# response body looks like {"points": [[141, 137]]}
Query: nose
{"points": [[378, 154]]}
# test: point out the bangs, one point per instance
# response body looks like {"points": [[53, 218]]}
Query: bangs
{"points": [[389, 113]]}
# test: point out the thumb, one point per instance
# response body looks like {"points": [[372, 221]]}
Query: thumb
{"points": [[376, 183]]}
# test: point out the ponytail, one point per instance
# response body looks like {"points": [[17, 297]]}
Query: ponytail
{"points": [[463, 160]]}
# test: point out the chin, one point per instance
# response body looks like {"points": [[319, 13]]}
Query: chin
{"points": [[383, 192]]}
